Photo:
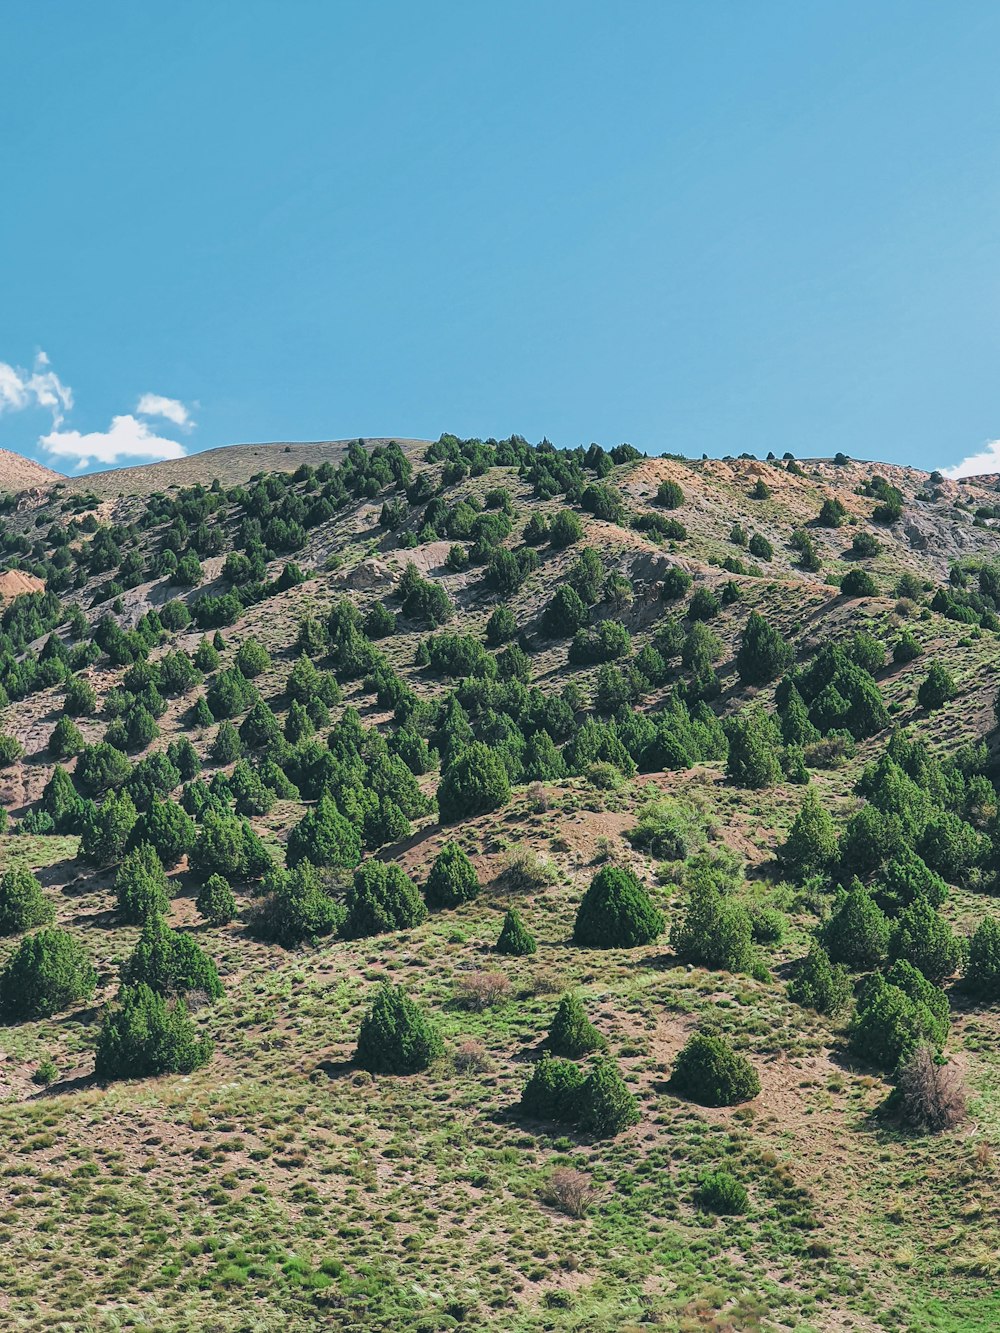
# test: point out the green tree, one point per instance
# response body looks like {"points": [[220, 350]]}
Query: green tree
{"points": [[23, 905], [515, 938], [452, 879], [145, 1035], [565, 614], [721, 1193], [106, 830], [252, 658], [141, 886], [324, 837], [382, 898], [216, 902], [924, 939], [937, 688], [616, 912], [572, 1034], [811, 845], [606, 1105], [48, 972], [226, 746], [170, 962], [982, 973], [474, 783], [554, 1091], [708, 1071], [763, 653], [715, 930], [80, 699], [396, 1036], [819, 984], [66, 739], [296, 909], [891, 1020], [167, 828], [857, 934], [754, 749]]}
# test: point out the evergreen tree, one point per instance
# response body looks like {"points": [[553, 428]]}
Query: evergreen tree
{"points": [[66, 739], [23, 905], [754, 746], [796, 728], [396, 1036], [857, 934], [819, 984], [565, 614], [260, 729], [452, 879], [141, 886], [61, 800], [606, 1105], [892, 1020], [47, 972], [924, 939], [554, 1091], [616, 912], [216, 902], [226, 746], [811, 845], [106, 830], [144, 1035], [296, 908], [572, 1034], [763, 653], [708, 1071], [982, 973], [167, 828], [474, 783], [324, 838], [515, 939], [382, 898], [715, 930], [937, 688], [170, 962]]}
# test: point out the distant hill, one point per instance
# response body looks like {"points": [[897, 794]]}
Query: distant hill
{"points": [[19, 474]]}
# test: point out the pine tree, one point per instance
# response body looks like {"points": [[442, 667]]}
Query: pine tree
{"points": [[324, 838], [515, 939], [474, 783], [763, 653], [858, 932], [819, 984], [226, 746], [382, 898], [170, 962], [23, 905], [754, 746], [141, 886], [47, 972], [144, 1035], [452, 879], [66, 739], [396, 1036], [554, 1091], [711, 1073], [216, 902], [811, 845], [796, 728], [295, 909], [572, 1034], [616, 912], [938, 687], [606, 1105], [924, 939], [106, 830]]}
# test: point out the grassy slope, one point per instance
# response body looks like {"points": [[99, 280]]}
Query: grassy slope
{"points": [[280, 1188]]}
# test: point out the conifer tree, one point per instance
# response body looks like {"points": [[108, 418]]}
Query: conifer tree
{"points": [[452, 879], [616, 912], [396, 1036], [572, 1034], [515, 938]]}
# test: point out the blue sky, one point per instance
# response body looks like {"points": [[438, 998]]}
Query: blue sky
{"points": [[701, 228]]}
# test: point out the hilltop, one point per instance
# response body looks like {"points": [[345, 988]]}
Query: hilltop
{"points": [[292, 721]]}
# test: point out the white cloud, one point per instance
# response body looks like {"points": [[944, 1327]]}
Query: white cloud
{"points": [[127, 437], [171, 409], [41, 387], [987, 460]]}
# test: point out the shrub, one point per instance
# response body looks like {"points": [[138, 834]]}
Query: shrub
{"points": [[715, 930], [865, 545], [144, 1036], [929, 1094], [817, 983], [66, 739], [170, 962], [571, 1033], [721, 1193], [100, 768], [452, 879], [858, 583], [924, 938], [858, 932], [893, 1019], [606, 1106], [141, 886], [524, 870], [482, 990], [295, 909], [760, 548], [982, 974], [48, 971], [167, 828], [396, 1036], [676, 582], [502, 627], [226, 746], [324, 837], [381, 899], [23, 905], [569, 1191], [669, 494], [474, 783], [763, 653], [708, 1071], [380, 621], [811, 845], [515, 939], [937, 688], [216, 902], [228, 846], [554, 1091], [80, 699], [616, 912], [704, 605], [906, 648]]}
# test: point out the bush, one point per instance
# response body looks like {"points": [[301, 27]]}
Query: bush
{"points": [[924, 938], [48, 972], [616, 912], [929, 1094], [515, 938], [216, 902], [763, 653], [474, 783], [80, 699], [452, 879], [554, 1091], [704, 605], [606, 1106], [754, 749], [569, 1191], [864, 545], [141, 886], [715, 930], [817, 983], [892, 1019], [482, 990], [23, 905], [858, 932], [396, 1036], [721, 1193], [66, 739], [295, 909], [676, 582], [937, 688], [170, 962], [571, 1033], [381, 899], [669, 494], [906, 648], [858, 583], [144, 1036], [708, 1071], [324, 837], [811, 845]]}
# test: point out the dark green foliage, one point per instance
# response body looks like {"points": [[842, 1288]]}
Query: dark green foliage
{"points": [[170, 962], [721, 1193], [380, 621], [260, 729], [754, 749], [763, 653], [105, 831], [605, 642], [676, 582], [858, 583], [811, 845], [144, 1035], [452, 879], [226, 746], [81, 698], [715, 930], [819, 984], [48, 972], [606, 1107], [502, 627], [760, 548], [982, 973], [141, 886], [167, 828], [23, 905], [906, 648], [893, 1019], [396, 1036], [66, 739], [937, 687], [62, 802], [100, 768], [230, 693], [216, 902], [565, 614], [708, 1071], [474, 783], [832, 513], [565, 529], [857, 934], [295, 909], [382, 898], [572, 1034], [252, 658], [554, 1091], [865, 544], [924, 939], [226, 845], [515, 938], [704, 605], [324, 837], [616, 912]]}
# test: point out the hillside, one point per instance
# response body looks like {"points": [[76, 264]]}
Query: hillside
{"points": [[294, 721], [19, 474]]}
